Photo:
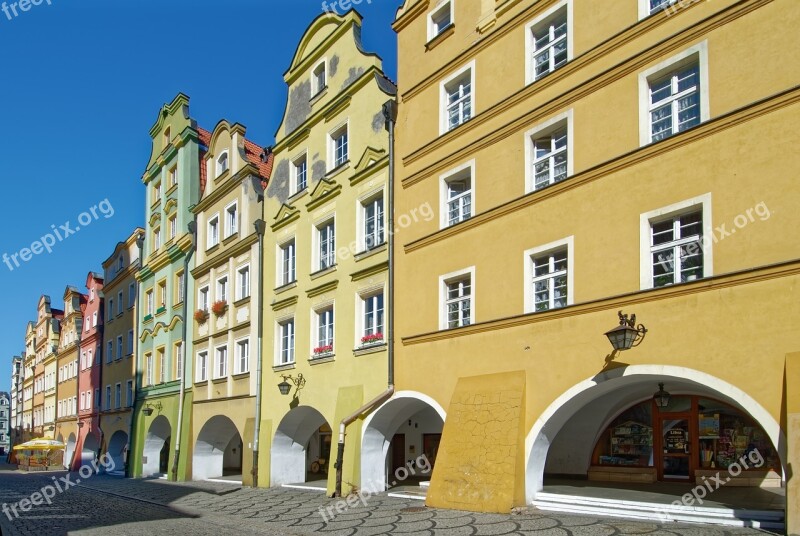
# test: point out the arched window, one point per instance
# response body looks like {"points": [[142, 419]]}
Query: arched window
{"points": [[222, 163]]}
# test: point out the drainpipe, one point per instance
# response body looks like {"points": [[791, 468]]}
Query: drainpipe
{"points": [[134, 394], [186, 260], [261, 227], [390, 116]]}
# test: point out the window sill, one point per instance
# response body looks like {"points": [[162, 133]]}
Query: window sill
{"points": [[241, 302], [297, 195], [241, 375], [322, 358], [370, 252], [371, 349], [441, 36], [212, 249], [223, 174], [201, 383], [171, 190], [338, 169], [230, 238], [323, 272], [155, 204], [147, 318], [219, 380], [284, 288], [281, 368], [318, 95]]}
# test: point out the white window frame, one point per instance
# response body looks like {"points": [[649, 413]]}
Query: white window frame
{"points": [[697, 53], [130, 342], [434, 30], [291, 351], [551, 125], [221, 362], [645, 11], [317, 313], [117, 395], [231, 226], [178, 353], [361, 325], [289, 245], [242, 293], [120, 347], [567, 243], [333, 160], [448, 278], [364, 204], [173, 226], [110, 352], [213, 222], [202, 366], [317, 258], [444, 125], [120, 306], [205, 305], [455, 175], [238, 362], [316, 88], [222, 288], [129, 393], [149, 361], [702, 202], [530, 44], [295, 176], [108, 398], [220, 169]]}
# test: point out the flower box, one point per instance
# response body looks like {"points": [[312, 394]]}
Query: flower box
{"points": [[200, 316], [370, 340], [219, 308], [323, 350]]}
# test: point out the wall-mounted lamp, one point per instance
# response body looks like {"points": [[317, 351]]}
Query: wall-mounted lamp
{"points": [[148, 408], [661, 397], [285, 387], [627, 334]]}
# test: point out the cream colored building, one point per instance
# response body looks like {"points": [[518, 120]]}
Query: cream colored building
{"points": [[585, 158], [226, 289], [67, 374], [326, 254]]}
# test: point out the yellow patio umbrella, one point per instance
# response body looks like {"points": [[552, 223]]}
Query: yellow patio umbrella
{"points": [[41, 444]]}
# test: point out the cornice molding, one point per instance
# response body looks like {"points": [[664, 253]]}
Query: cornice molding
{"points": [[322, 289], [624, 301], [368, 272], [283, 304], [648, 152], [222, 256]]}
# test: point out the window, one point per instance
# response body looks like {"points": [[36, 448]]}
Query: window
{"points": [[119, 303], [221, 362], [440, 19], [548, 152], [458, 99], [676, 243], [287, 271], [162, 366], [213, 232], [118, 396], [108, 397], [547, 43], [548, 273], [130, 342], [162, 294], [373, 314], [286, 341], [373, 222], [202, 366], [202, 299], [156, 192], [94, 319], [120, 351], [83, 401], [131, 295], [456, 194], [180, 283], [222, 289], [457, 300], [320, 82], [110, 309], [339, 147], [178, 361], [242, 357], [148, 373], [673, 95], [173, 226], [327, 245], [167, 136], [243, 283], [173, 176], [156, 238], [325, 330], [110, 352], [299, 174], [89, 358], [231, 220], [129, 393], [222, 163], [650, 7]]}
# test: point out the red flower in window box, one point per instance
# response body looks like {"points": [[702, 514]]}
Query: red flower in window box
{"points": [[372, 339], [201, 315], [219, 307], [321, 350]]}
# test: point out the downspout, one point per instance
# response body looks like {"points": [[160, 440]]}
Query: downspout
{"points": [[390, 116], [186, 260], [135, 393], [261, 227]]}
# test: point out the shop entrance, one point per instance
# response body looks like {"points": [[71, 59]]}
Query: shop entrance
{"points": [[675, 451]]}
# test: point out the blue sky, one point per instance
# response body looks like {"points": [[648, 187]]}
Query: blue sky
{"points": [[81, 83]]}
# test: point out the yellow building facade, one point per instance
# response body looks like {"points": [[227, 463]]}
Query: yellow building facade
{"points": [[226, 320], [325, 277], [66, 427], [584, 160]]}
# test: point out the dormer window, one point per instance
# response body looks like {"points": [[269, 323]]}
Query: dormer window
{"points": [[320, 78], [222, 163]]}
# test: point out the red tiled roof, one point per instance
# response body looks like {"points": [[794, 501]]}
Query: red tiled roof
{"points": [[252, 152], [205, 140]]}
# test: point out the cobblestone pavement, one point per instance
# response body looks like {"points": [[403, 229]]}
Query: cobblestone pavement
{"points": [[110, 505]]}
